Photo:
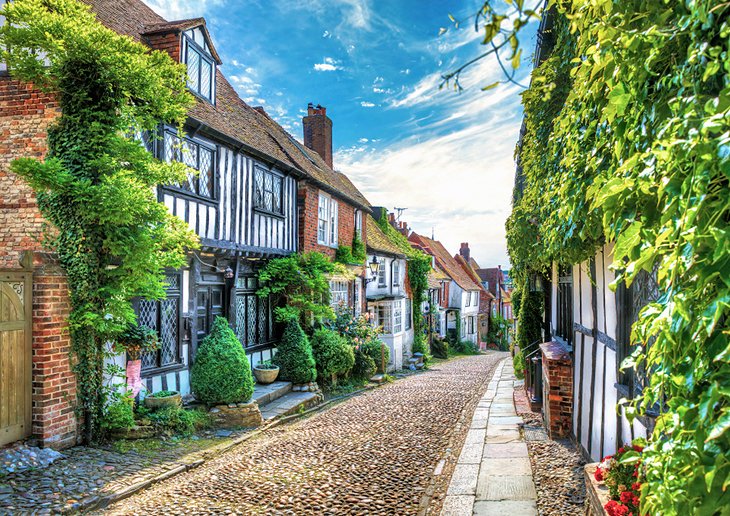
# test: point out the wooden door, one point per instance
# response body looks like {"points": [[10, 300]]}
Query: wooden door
{"points": [[15, 356], [210, 304]]}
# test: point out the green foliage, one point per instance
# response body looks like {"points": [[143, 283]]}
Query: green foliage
{"points": [[530, 321], [358, 249], [516, 297], [266, 364], [96, 185], [364, 367], [518, 362], [440, 347], [332, 354], [343, 254], [378, 351], [294, 355], [163, 394], [417, 269], [136, 340], [626, 141], [175, 420], [221, 372], [357, 330], [498, 331], [463, 347], [302, 279], [119, 412]]}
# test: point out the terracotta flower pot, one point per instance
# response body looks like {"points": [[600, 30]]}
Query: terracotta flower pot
{"points": [[265, 376], [154, 403]]}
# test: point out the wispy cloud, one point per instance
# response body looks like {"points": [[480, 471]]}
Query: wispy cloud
{"points": [[329, 64], [366, 104]]}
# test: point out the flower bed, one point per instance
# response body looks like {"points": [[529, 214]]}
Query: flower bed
{"points": [[616, 482]]}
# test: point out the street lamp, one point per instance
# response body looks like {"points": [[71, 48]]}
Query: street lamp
{"points": [[374, 265]]}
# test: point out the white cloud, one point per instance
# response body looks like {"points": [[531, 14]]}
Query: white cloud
{"points": [[181, 9], [363, 140], [329, 64], [366, 104]]}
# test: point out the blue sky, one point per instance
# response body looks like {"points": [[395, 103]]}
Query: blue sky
{"points": [[375, 64]]}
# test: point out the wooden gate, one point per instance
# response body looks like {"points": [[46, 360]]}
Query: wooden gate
{"points": [[15, 355]]}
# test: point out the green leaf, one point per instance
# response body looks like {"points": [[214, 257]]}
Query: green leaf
{"points": [[490, 86]]}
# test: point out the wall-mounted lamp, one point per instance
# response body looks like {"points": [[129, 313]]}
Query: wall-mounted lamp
{"points": [[374, 265], [228, 273]]}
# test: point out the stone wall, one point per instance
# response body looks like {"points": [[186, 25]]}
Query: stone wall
{"points": [[557, 377]]}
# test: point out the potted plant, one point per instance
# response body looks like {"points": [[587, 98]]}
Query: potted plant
{"points": [[136, 340], [163, 399], [265, 372]]}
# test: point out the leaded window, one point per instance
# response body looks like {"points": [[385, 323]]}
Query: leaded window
{"points": [[384, 315], [254, 317], [268, 187], [163, 316], [201, 66], [397, 317], [196, 156], [381, 273], [396, 273], [631, 301]]}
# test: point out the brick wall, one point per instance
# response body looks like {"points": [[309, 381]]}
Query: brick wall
{"points": [[308, 202], [25, 114], [169, 43], [557, 377], [54, 383]]}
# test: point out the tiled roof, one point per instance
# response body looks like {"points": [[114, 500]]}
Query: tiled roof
{"points": [[449, 264], [435, 277], [473, 263], [231, 116], [183, 25], [492, 276], [379, 241]]}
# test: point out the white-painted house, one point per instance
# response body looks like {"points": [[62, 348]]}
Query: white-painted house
{"points": [[388, 302]]}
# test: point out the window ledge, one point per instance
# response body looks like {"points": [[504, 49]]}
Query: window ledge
{"points": [[269, 213]]}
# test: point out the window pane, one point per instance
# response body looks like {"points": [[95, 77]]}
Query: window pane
{"points": [[277, 195], [193, 69], [205, 179], [206, 79], [333, 222], [268, 195]]}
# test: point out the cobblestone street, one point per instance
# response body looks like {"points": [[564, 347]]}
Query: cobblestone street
{"points": [[377, 453]]}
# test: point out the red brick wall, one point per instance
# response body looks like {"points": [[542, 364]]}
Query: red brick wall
{"points": [[25, 114], [54, 383], [308, 198], [169, 43], [557, 377]]}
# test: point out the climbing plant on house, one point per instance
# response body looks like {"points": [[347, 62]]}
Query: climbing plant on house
{"points": [[95, 186], [627, 140]]}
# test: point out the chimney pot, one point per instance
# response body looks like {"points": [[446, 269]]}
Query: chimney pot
{"points": [[464, 251]]}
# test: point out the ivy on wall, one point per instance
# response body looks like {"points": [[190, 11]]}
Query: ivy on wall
{"points": [[627, 140], [96, 185]]}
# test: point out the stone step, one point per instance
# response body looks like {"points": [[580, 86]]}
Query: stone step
{"points": [[290, 403], [264, 394], [378, 378]]}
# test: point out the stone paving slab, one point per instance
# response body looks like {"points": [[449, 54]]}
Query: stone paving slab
{"points": [[290, 403], [264, 394], [458, 505], [471, 454], [507, 487], [504, 508], [464, 480], [505, 450], [500, 467]]}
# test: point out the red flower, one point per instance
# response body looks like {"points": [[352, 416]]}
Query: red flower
{"points": [[635, 500], [638, 448], [636, 486], [621, 450], [598, 475], [635, 474], [626, 497], [607, 457]]}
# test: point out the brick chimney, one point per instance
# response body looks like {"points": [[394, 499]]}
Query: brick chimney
{"points": [[318, 132], [464, 251]]}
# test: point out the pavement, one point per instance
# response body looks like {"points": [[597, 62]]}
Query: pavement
{"points": [[493, 475], [376, 453]]}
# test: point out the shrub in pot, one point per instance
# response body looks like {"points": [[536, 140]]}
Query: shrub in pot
{"points": [[332, 354], [294, 356], [163, 399], [221, 372], [265, 372]]}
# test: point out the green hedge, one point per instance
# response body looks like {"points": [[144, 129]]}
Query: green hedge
{"points": [[332, 354], [294, 355]]}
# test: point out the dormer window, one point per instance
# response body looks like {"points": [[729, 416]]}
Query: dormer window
{"points": [[201, 64]]}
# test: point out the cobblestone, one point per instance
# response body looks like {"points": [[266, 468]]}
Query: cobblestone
{"points": [[372, 454]]}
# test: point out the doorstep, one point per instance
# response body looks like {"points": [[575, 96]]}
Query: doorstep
{"points": [[290, 403], [264, 394]]}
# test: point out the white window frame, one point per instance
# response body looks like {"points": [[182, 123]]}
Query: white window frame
{"points": [[384, 317], [327, 214], [463, 328], [338, 293], [409, 314], [468, 299], [396, 273], [382, 277], [357, 303], [397, 317], [358, 223]]}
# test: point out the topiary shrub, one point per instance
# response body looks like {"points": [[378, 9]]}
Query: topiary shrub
{"points": [[294, 356], [372, 348], [364, 367], [440, 348], [332, 354], [221, 372]]}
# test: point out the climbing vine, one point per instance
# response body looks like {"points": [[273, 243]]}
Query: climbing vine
{"points": [[627, 140], [418, 267], [96, 185]]}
